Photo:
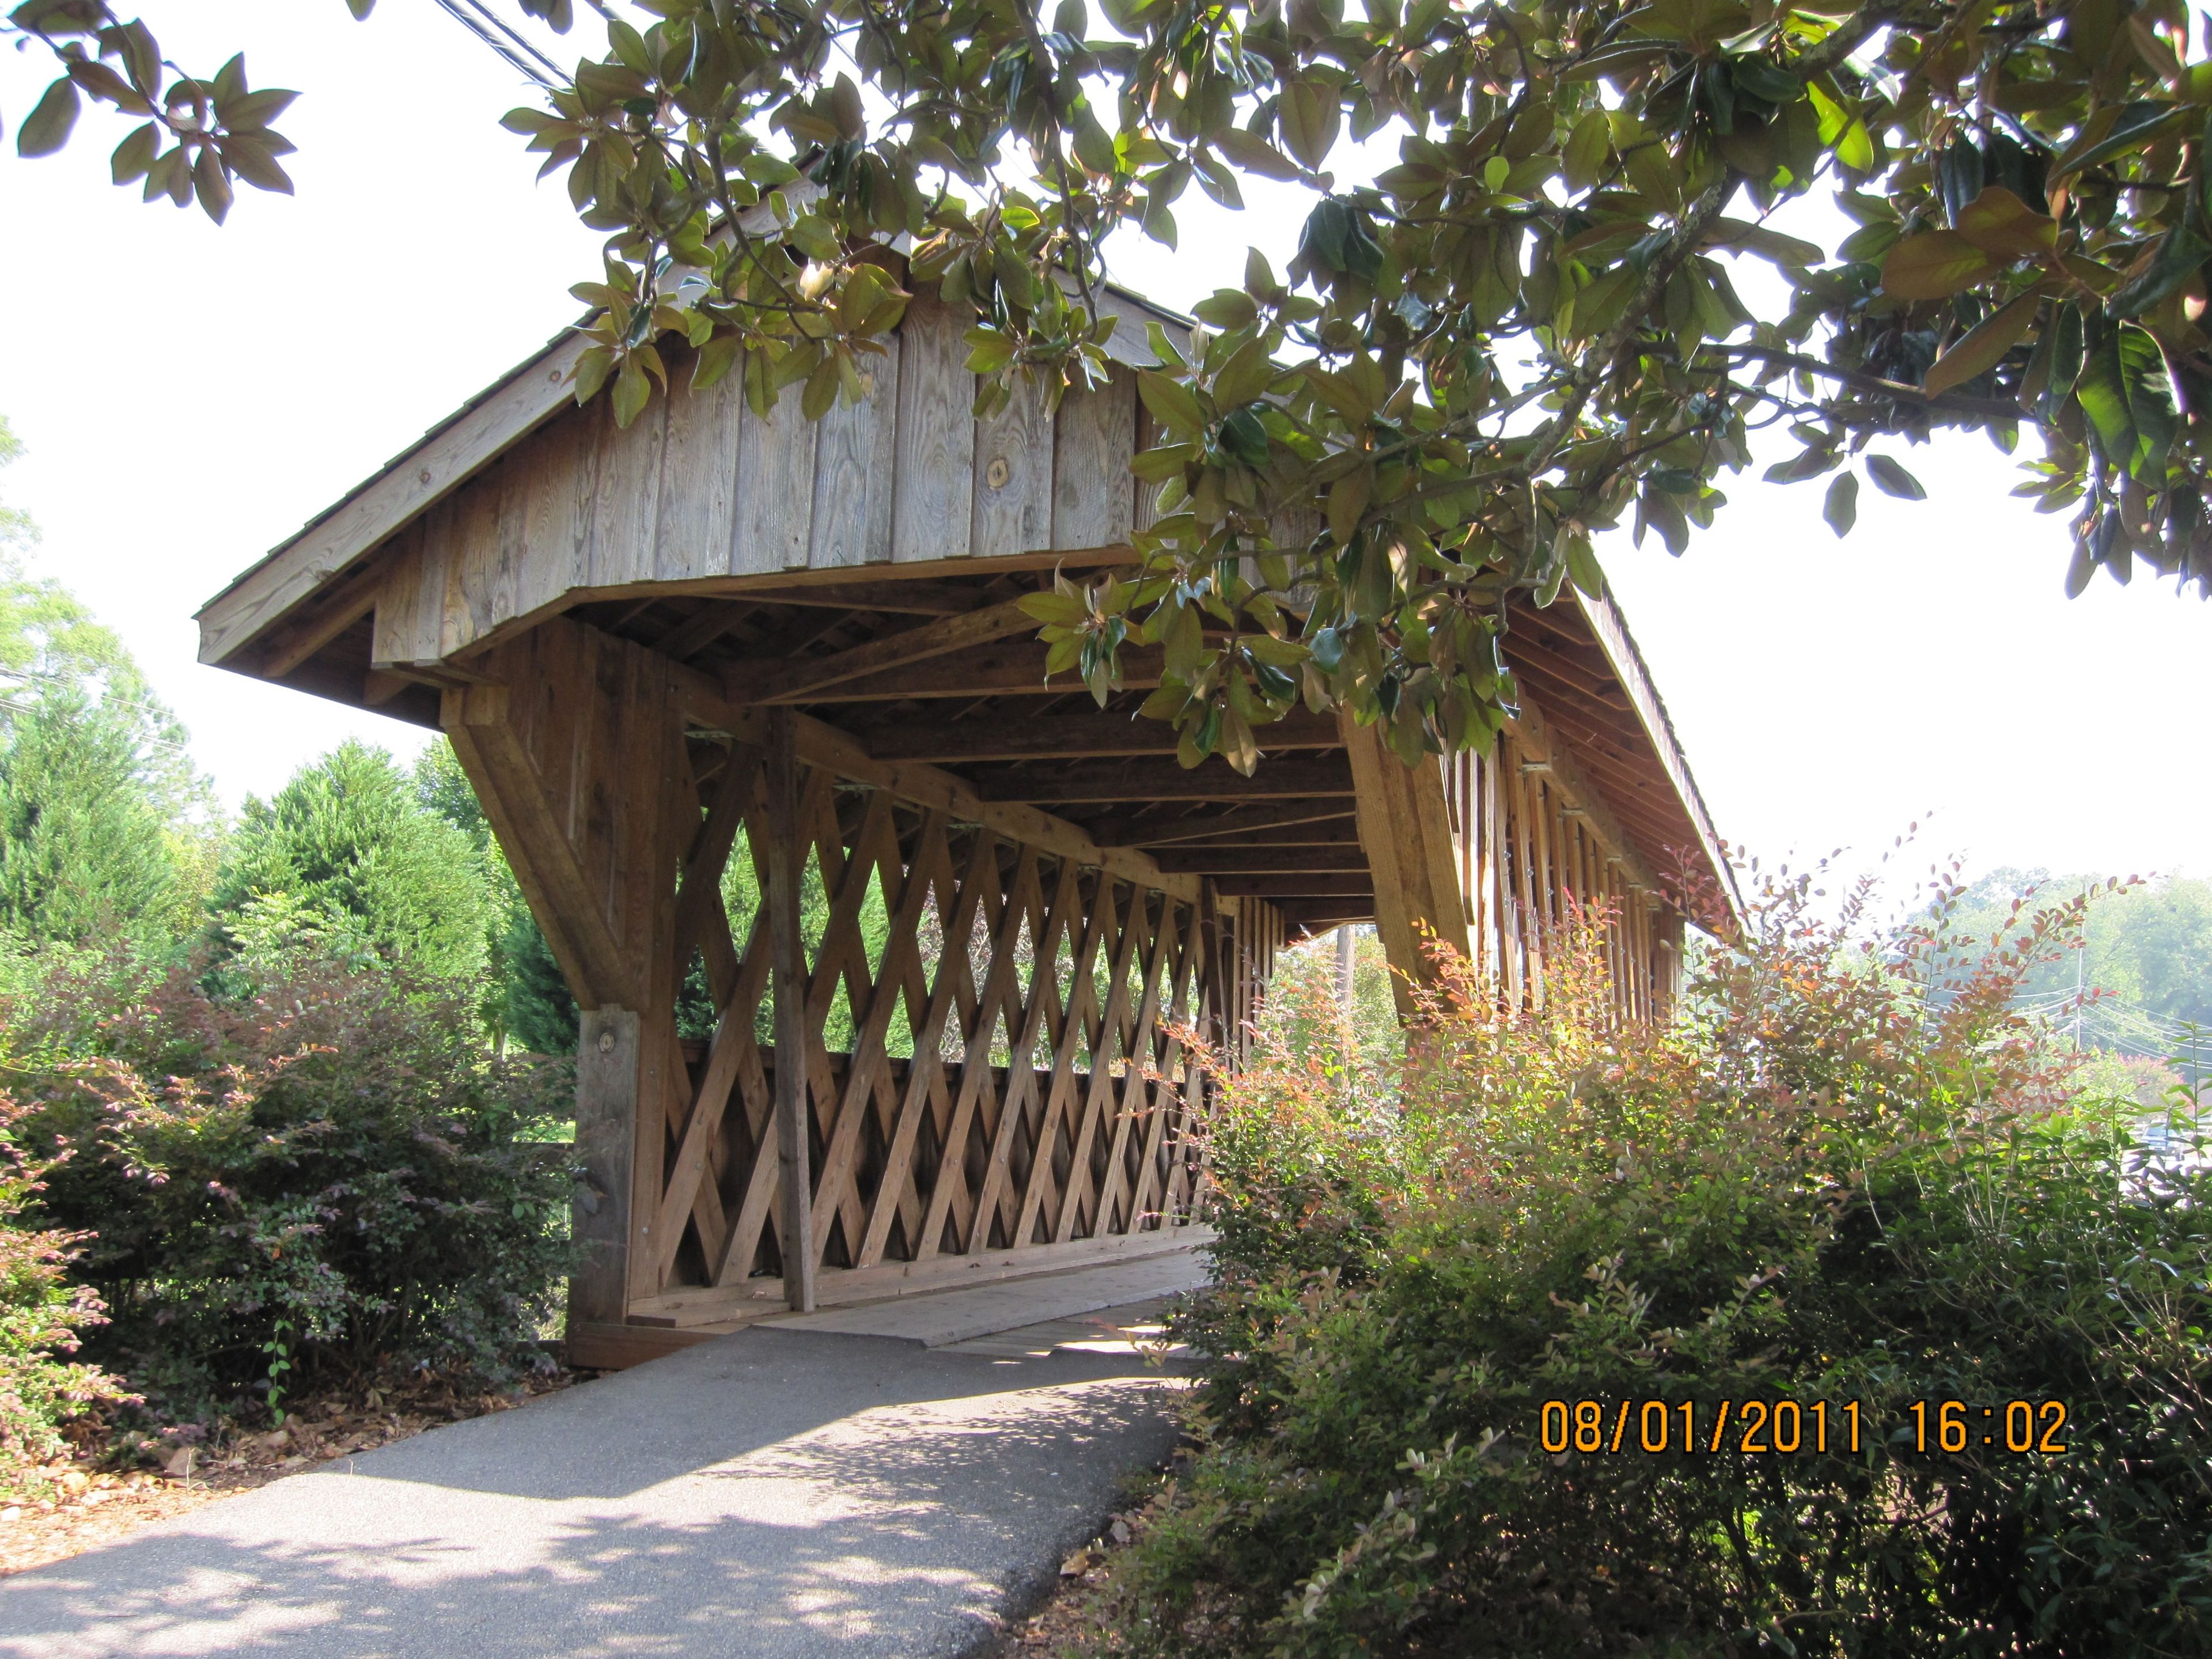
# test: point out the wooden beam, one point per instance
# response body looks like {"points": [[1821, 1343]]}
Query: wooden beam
{"points": [[1011, 668], [1341, 885], [1404, 825], [1298, 779], [785, 856], [823, 744], [1084, 735], [1254, 860], [1538, 743], [346, 602], [788, 681], [689, 638], [1147, 831], [606, 1110], [892, 598]]}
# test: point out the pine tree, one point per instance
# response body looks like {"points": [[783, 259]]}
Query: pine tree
{"points": [[83, 855], [347, 852]]}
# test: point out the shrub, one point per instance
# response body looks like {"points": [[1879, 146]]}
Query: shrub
{"points": [[42, 1318], [327, 1174], [1849, 1173]]}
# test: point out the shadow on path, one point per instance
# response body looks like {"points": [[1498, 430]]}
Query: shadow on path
{"points": [[770, 1493]]}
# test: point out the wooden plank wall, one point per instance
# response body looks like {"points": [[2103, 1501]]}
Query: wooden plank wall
{"points": [[700, 490]]}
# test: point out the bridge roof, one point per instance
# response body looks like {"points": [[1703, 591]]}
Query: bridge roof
{"points": [[864, 569]]}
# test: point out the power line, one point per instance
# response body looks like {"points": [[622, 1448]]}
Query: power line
{"points": [[514, 48]]}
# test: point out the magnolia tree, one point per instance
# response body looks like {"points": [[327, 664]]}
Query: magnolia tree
{"points": [[1522, 332]]}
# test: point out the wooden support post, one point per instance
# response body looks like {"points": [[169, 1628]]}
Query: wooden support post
{"points": [[1405, 829], [607, 1111], [786, 856]]}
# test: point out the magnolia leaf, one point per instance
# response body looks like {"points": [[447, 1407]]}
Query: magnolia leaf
{"points": [[1758, 239], [1253, 152], [1054, 609], [1841, 509], [2005, 228], [1172, 404], [2125, 394], [1933, 266], [1587, 150], [1983, 346], [1310, 112], [632, 392], [1891, 479], [46, 128]]}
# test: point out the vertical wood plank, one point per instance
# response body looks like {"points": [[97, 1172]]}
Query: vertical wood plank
{"points": [[933, 495], [786, 857], [699, 479], [627, 515], [775, 488], [560, 467], [854, 471], [607, 1109], [1013, 476], [398, 603], [487, 534], [1093, 439]]}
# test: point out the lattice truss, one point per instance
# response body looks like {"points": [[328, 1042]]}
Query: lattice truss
{"points": [[994, 1050]]}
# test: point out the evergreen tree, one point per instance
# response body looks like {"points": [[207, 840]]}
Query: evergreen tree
{"points": [[529, 1004], [346, 854], [104, 823], [83, 854]]}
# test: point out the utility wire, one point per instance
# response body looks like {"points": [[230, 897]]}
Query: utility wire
{"points": [[515, 48]]}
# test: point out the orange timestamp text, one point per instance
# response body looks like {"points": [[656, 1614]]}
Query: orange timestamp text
{"points": [[1787, 1427]]}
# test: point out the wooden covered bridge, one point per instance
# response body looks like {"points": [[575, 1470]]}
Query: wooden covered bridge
{"points": [[981, 897]]}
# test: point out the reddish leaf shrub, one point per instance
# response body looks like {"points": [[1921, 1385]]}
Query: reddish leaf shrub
{"points": [[45, 1394], [1847, 1173], [328, 1173]]}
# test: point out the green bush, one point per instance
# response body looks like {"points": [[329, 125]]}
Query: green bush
{"points": [[1848, 1173], [329, 1174]]}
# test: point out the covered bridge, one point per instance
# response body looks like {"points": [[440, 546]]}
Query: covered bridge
{"points": [[982, 897]]}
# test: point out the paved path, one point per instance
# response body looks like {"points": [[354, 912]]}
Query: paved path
{"points": [[777, 1493]]}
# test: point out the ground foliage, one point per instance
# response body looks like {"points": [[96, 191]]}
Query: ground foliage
{"points": [[328, 1173], [1846, 1175]]}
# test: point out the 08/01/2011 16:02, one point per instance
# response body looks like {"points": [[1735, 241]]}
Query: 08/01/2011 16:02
{"points": [[1786, 1427]]}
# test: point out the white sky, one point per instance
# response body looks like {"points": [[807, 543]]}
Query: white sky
{"points": [[190, 396]]}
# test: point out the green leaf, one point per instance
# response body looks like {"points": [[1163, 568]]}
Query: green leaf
{"points": [[1054, 610], [2125, 394], [1841, 509], [1252, 153], [1311, 112], [1935, 265], [821, 394], [1983, 346], [1244, 376], [1171, 403], [1893, 480], [46, 128], [1586, 151], [2137, 124], [2005, 228], [134, 154], [632, 392]]}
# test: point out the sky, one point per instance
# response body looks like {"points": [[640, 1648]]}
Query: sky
{"points": [[189, 396]]}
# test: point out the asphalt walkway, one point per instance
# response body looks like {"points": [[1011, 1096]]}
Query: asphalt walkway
{"points": [[777, 1493]]}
